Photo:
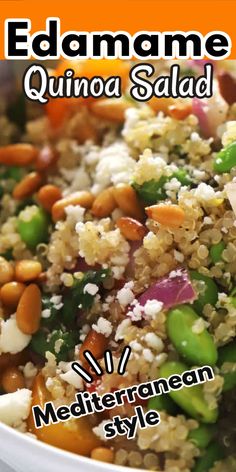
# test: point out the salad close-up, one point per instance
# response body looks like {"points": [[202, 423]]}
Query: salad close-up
{"points": [[118, 228]]}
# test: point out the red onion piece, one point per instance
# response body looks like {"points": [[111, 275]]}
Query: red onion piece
{"points": [[174, 289], [211, 113]]}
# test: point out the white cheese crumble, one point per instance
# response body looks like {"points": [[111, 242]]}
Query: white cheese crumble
{"points": [[91, 289], [152, 308], [154, 342], [11, 338], [125, 295], [71, 377], [99, 430], [15, 407], [121, 329], [103, 326]]}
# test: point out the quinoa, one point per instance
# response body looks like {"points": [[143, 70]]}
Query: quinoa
{"points": [[94, 275]]}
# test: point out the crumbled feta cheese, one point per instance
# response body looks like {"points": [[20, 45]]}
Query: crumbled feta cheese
{"points": [[135, 346], [46, 313], [15, 407], [121, 329], [99, 430], [125, 295], [148, 355], [11, 338], [72, 378], [152, 308], [91, 289], [205, 192], [136, 314], [29, 370], [103, 326], [154, 342]]}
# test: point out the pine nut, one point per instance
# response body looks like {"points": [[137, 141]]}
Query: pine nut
{"points": [[6, 271], [83, 198], [104, 203], [28, 185], [48, 195], [127, 201], [11, 292], [131, 229], [94, 342], [167, 215], [27, 270], [103, 454], [18, 154], [110, 109], [12, 380], [28, 311]]}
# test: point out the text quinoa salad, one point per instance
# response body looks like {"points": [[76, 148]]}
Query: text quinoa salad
{"points": [[118, 228]]}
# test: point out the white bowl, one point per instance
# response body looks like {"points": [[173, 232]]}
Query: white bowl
{"points": [[25, 454]]}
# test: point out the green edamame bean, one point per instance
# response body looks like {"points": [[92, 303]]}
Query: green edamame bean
{"points": [[182, 176], [190, 399], [163, 403], [209, 293], [216, 251], [33, 223], [195, 348], [212, 455], [202, 435], [225, 160], [228, 354]]}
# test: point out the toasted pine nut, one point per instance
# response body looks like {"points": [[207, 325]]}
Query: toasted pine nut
{"points": [[103, 454], [18, 154], [131, 229], [161, 104], [47, 157], [12, 379], [28, 185], [167, 215], [48, 195], [29, 309], [96, 343], [111, 109], [6, 271], [180, 111], [104, 203], [11, 292], [82, 198], [27, 270], [127, 201]]}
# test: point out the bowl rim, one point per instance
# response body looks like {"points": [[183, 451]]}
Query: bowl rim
{"points": [[75, 458]]}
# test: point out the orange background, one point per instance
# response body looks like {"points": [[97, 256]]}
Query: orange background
{"points": [[128, 15]]}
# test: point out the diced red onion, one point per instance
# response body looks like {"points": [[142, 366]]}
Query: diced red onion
{"points": [[172, 290], [211, 113]]}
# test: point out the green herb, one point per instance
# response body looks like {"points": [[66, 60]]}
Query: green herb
{"points": [[77, 299], [153, 190], [42, 342]]}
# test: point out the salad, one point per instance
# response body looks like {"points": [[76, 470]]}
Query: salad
{"points": [[118, 228]]}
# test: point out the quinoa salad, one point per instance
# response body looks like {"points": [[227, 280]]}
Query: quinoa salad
{"points": [[118, 228]]}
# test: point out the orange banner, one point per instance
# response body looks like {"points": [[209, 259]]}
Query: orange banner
{"points": [[129, 15]]}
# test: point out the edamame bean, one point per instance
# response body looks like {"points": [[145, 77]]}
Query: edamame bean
{"points": [[209, 294], [195, 347], [216, 251], [212, 455], [228, 354], [163, 403], [225, 160], [190, 399], [33, 223], [202, 435]]}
